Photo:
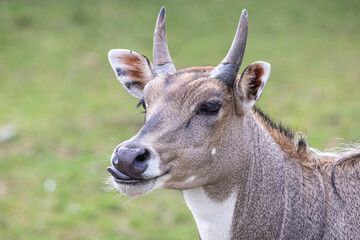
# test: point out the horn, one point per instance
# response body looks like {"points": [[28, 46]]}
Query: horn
{"points": [[228, 69], [163, 63]]}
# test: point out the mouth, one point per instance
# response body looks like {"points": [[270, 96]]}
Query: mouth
{"points": [[120, 177]]}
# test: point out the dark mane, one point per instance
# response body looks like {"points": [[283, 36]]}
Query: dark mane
{"points": [[296, 148], [294, 145], [278, 126]]}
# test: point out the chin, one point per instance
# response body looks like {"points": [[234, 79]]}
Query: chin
{"points": [[139, 188]]}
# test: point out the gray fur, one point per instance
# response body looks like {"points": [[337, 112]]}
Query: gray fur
{"points": [[278, 196], [282, 190], [280, 200]]}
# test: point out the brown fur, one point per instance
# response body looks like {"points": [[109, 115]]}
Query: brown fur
{"points": [[285, 138], [297, 149], [203, 69], [136, 72], [254, 84]]}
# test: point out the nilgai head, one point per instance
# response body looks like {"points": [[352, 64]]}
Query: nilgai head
{"points": [[191, 115]]}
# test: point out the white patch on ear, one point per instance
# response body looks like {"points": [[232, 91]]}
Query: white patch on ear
{"points": [[132, 69], [251, 84]]}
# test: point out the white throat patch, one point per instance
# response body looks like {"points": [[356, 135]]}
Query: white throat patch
{"points": [[213, 219]]}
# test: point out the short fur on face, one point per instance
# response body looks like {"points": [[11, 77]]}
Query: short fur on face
{"points": [[182, 133]]}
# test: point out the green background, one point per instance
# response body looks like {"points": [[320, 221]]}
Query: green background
{"points": [[58, 90]]}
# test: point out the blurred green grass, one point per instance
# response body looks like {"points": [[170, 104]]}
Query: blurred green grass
{"points": [[57, 88]]}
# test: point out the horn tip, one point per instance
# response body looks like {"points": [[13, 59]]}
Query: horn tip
{"points": [[244, 13], [162, 14]]}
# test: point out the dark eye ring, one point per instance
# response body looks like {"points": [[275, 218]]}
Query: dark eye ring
{"points": [[209, 108]]}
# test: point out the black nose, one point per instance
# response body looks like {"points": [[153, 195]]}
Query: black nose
{"points": [[131, 161]]}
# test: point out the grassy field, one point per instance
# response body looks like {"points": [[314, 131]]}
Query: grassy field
{"points": [[59, 92]]}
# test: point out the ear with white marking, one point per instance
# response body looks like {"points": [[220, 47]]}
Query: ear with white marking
{"points": [[132, 69], [249, 87]]}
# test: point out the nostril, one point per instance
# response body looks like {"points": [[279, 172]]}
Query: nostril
{"points": [[143, 154], [140, 162]]}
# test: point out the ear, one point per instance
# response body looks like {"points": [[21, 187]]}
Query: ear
{"points": [[249, 87], [133, 70]]}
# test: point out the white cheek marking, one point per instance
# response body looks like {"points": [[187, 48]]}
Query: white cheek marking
{"points": [[213, 219], [190, 179], [192, 108], [213, 151]]}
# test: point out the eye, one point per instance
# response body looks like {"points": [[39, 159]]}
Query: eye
{"points": [[141, 103], [209, 108]]}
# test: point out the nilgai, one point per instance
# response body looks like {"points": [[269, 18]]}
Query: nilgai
{"points": [[241, 175]]}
